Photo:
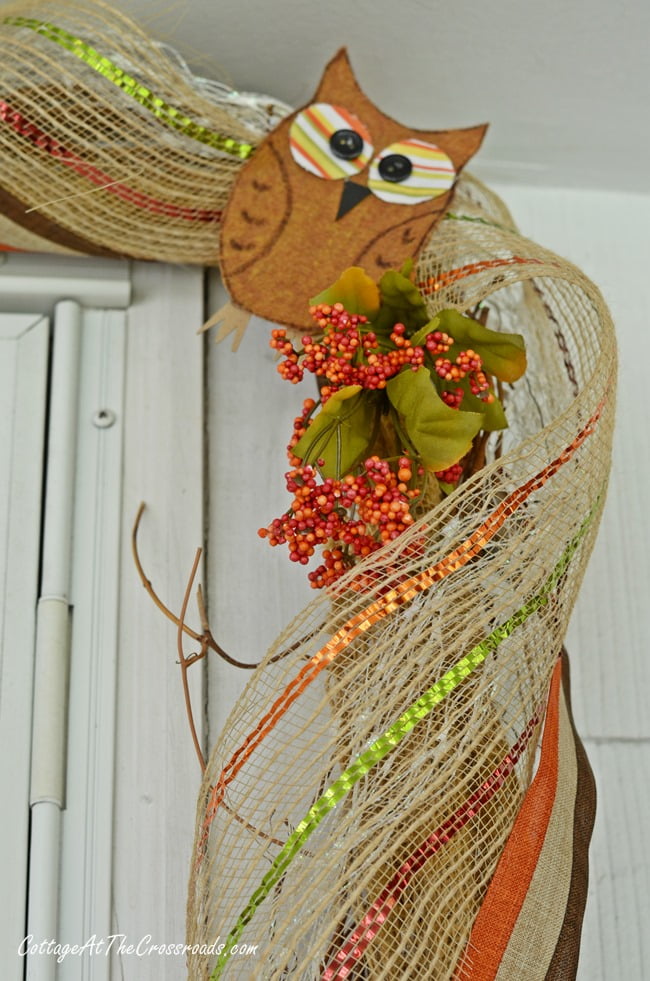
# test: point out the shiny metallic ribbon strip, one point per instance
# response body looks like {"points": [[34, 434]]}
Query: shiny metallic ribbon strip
{"points": [[167, 115], [353, 948], [435, 283], [383, 607], [42, 141], [452, 216], [387, 742]]}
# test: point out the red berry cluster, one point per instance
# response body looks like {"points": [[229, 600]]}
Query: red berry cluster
{"points": [[290, 369], [349, 354], [451, 474], [352, 517], [453, 397], [300, 424], [469, 365]]}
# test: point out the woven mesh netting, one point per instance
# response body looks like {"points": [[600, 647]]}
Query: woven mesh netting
{"points": [[356, 805], [106, 133]]}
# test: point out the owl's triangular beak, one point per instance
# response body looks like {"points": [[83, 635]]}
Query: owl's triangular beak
{"points": [[351, 196]]}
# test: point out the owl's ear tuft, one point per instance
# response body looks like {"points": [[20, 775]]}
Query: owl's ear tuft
{"points": [[461, 144], [338, 82]]}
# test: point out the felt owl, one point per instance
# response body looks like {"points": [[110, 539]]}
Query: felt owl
{"points": [[335, 184]]}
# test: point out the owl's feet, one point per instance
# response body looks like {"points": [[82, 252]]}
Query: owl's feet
{"points": [[229, 319]]}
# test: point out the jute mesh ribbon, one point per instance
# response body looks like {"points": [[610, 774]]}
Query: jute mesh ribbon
{"points": [[359, 800], [111, 139]]}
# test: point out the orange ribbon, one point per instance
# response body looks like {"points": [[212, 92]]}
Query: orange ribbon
{"points": [[435, 283]]}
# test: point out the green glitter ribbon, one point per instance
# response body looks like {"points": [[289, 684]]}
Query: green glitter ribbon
{"points": [[452, 216], [393, 737], [167, 115]]}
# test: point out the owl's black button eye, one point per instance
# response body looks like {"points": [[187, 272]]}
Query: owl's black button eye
{"points": [[395, 167], [346, 144]]}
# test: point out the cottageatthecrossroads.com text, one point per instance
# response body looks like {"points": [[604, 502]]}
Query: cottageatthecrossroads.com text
{"points": [[120, 946]]}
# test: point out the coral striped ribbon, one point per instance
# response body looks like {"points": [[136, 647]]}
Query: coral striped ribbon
{"points": [[435, 283], [48, 144]]}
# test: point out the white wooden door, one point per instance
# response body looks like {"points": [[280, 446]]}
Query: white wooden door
{"points": [[24, 341], [99, 777]]}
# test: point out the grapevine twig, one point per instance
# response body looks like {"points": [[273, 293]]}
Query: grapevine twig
{"points": [[185, 662], [205, 639]]}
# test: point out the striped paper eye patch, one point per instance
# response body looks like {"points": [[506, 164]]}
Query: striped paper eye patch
{"points": [[410, 172], [329, 141]]}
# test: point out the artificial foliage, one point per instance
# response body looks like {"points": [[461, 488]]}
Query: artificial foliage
{"points": [[403, 401]]}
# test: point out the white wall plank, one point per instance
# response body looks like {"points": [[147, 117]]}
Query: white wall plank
{"points": [[157, 774], [251, 412], [87, 825], [615, 939]]}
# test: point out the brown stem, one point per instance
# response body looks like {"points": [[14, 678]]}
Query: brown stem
{"points": [[185, 662], [206, 639], [147, 582], [251, 827]]}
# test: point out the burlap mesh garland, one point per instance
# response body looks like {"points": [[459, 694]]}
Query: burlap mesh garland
{"points": [[330, 834], [368, 778], [110, 170]]}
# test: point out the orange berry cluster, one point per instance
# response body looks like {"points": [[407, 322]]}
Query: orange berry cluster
{"points": [[351, 517], [349, 354], [469, 365], [300, 424]]}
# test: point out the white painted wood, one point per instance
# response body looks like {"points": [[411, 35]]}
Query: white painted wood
{"points": [[86, 845], [615, 940], [51, 668], [36, 282], [254, 590], [24, 345], [156, 771]]}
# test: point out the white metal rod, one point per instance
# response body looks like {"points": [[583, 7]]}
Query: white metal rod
{"points": [[50, 701], [61, 450], [47, 795], [42, 923]]}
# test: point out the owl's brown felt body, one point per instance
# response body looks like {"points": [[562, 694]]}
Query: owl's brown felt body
{"points": [[285, 235]]}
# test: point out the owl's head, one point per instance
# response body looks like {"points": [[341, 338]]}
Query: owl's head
{"points": [[337, 183]]}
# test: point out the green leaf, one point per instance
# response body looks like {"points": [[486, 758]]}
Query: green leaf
{"points": [[503, 355], [441, 435], [421, 335], [342, 432], [493, 415], [401, 303], [355, 290]]}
